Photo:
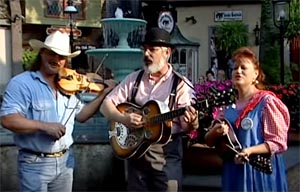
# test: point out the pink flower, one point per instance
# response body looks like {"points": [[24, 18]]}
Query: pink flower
{"points": [[193, 134]]}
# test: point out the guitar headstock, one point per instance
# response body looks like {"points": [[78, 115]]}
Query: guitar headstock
{"points": [[200, 104], [211, 96], [220, 98]]}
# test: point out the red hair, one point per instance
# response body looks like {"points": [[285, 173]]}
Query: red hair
{"points": [[243, 53]]}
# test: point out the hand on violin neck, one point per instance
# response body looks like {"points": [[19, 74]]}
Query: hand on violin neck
{"points": [[110, 84]]}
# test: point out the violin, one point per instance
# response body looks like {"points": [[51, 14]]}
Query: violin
{"points": [[70, 82]]}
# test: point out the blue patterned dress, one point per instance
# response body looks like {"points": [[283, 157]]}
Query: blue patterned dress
{"points": [[243, 177]]}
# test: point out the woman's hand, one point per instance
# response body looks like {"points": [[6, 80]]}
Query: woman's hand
{"points": [[219, 127], [242, 157]]}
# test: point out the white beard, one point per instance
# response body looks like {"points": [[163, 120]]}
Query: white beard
{"points": [[155, 67]]}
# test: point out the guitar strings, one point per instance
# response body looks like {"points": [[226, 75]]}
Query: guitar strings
{"points": [[246, 158]]}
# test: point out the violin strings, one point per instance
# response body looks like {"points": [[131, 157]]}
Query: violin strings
{"points": [[106, 55]]}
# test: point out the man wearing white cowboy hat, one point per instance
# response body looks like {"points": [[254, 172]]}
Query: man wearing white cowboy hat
{"points": [[42, 117], [160, 166]]}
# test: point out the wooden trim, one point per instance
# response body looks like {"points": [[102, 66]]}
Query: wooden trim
{"points": [[79, 16], [16, 37], [189, 3]]}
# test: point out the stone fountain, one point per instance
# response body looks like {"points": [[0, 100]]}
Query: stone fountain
{"points": [[122, 40]]}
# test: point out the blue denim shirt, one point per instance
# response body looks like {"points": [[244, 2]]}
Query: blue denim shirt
{"points": [[29, 95]]}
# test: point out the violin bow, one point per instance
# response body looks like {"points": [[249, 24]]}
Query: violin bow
{"points": [[99, 66], [97, 69]]}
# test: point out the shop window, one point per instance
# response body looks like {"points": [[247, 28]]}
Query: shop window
{"points": [[174, 57], [189, 63], [55, 8], [178, 61], [183, 56]]}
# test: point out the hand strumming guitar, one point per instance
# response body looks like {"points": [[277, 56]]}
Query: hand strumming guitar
{"points": [[242, 157], [216, 130], [133, 120]]}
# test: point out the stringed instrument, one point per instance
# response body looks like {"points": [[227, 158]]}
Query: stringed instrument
{"points": [[71, 82], [129, 142], [228, 146]]}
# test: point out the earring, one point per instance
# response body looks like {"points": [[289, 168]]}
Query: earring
{"points": [[255, 82]]}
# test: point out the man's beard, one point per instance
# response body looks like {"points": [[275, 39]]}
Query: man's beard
{"points": [[155, 67]]}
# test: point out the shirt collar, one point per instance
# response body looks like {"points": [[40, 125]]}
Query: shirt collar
{"points": [[38, 75]]}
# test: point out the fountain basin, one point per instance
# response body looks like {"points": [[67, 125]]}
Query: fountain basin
{"points": [[120, 61], [122, 27]]}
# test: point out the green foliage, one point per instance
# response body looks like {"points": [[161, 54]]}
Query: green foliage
{"points": [[267, 28], [293, 29], [269, 47], [231, 36], [28, 58], [287, 74], [294, 67], [271, 66]]}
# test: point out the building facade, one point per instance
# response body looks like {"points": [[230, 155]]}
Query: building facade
{"points": [[191, 24]]}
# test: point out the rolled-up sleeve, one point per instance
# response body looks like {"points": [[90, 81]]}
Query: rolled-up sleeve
{"points": [[15, 99]]}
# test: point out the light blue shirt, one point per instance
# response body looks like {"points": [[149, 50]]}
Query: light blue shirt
{"points": [[30, 95]]}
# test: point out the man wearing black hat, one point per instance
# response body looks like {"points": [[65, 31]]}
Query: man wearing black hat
{"points": [[155, 165]]}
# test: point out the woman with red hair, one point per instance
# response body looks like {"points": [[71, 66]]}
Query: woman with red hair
{"points": [[260, 123]]}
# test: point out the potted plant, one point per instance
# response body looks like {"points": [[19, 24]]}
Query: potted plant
{"points": [[293, 29], [231, 36]]}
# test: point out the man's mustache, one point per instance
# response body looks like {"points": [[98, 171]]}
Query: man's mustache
{"points": [[146, 59]]}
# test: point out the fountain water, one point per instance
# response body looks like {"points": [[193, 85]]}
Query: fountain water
{"points": [[125, 56]]}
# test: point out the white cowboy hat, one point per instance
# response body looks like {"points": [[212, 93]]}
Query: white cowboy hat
{"points": [[58, 42]]}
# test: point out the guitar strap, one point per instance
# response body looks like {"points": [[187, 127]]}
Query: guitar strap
{"points": [[172, 94], [136, 86], [173, 91]]}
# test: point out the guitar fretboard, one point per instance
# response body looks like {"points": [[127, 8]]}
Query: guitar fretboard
{"points": [[178, 112]]}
